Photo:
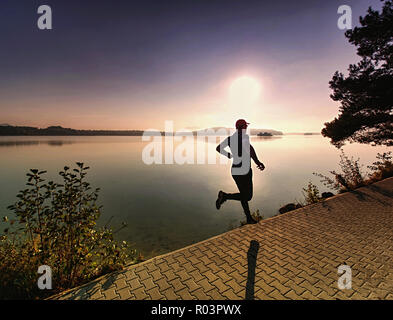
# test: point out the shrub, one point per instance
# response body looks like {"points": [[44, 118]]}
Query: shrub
{"points": [[311, 194], [55, 225], [350, 178], [382, 168]]}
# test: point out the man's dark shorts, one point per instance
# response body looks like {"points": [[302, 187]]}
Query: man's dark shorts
{"points": [[244, 184]]}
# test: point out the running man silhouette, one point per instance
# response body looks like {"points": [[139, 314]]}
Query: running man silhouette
{"points": [[241, 152]]}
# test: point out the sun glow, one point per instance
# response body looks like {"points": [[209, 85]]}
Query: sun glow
{"points": [[244, 91]]}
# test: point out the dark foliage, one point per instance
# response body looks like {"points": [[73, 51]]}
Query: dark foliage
{"points": [[55, 225], [7, 130], [352, 177], [366, 94]]}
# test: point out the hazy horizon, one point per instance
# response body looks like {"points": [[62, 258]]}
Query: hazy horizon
{"points": [[187, 128]]}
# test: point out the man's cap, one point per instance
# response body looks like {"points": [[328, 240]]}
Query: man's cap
{"points": [[241, 123]]}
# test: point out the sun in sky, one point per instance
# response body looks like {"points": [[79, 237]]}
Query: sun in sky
{"points": [[243, 97], [244, 91]]}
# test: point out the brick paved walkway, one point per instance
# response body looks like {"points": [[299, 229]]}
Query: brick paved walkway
{"points": [[299, 253]]}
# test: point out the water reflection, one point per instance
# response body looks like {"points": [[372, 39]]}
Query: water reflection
{"points": [[34, 141], [169, 206], [263, 139]]}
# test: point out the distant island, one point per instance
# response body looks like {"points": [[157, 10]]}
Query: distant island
{"points": [[264, 134], [303, 133], [8, 130]]}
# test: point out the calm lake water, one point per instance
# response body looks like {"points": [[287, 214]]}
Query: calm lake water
{"points": [[167, 207]]}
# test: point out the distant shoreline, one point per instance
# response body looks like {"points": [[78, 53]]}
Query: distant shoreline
{"points": [[8, 130]]}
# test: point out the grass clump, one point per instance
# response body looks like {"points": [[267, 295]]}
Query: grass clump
{"points": [[257, 216]]}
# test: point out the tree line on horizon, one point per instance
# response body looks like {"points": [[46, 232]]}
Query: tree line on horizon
{"points": [[8, 130]]}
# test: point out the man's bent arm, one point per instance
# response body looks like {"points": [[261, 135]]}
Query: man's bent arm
{"points": [[221, 149], [253, 155]]}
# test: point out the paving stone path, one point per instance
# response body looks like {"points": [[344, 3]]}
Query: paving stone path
{"points": [[292, 256]]}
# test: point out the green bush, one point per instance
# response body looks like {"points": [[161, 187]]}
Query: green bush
{"points": [[55, 225]]}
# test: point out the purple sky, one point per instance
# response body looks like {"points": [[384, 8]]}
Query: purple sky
{"points": [[135, 64]]}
